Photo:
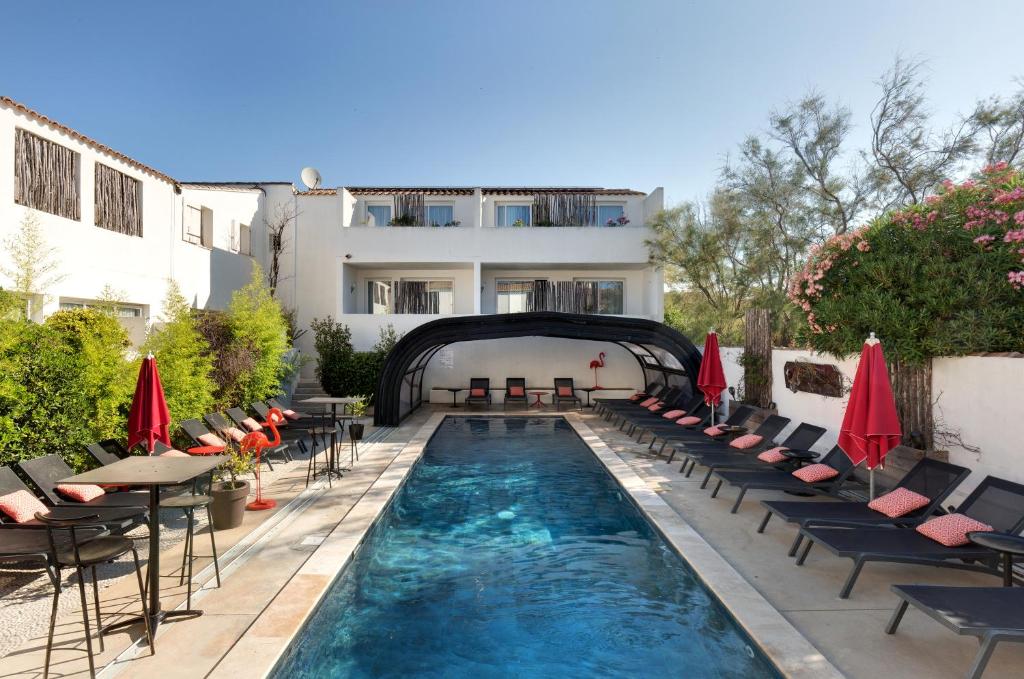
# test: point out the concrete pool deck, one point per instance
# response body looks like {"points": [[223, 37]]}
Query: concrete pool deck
{"points": [[265, 597]]}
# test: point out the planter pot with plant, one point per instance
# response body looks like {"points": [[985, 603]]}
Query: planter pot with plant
{"points": [[229, 492], [358, 410]]}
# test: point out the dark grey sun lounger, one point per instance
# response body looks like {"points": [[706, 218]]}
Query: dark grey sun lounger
{"points": [[701, 452], [932, 478], [46, 471], [997, 502], [784, 481], [992, 614], [107, 451], [801, 438], [115, 518]]}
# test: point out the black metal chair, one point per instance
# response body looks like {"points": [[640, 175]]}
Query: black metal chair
{"points": [[83, 543], [479, 391], [565, 392], [515, 391]]}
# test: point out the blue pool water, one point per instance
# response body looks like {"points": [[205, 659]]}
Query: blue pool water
{"points": [[510, 552]]}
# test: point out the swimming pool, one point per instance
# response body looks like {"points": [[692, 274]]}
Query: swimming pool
{"points": [[510, 552]]}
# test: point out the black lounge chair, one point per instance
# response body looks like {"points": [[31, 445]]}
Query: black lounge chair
{"points": [[997, 502], [802, 438], [709, 452], [646, 418], [290, 431], [678, 435], [518, 383], [932, 478], [565, 392], [239, 417], [992, 614], [621, 414], [609, 405], [107, 451], [194, 429], [20, 545], [772, 478], [694, 407], [45, 472], [651, 389], [296, 415], [116, 518], [482, 385]]}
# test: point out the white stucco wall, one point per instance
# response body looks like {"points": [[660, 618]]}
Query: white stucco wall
{"points": [[538, 359]]}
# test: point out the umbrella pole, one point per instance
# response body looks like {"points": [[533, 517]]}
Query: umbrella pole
{"points": [[871, 483]]}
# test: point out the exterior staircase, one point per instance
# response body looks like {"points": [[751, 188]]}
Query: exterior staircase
{"points": [[308, 388]]}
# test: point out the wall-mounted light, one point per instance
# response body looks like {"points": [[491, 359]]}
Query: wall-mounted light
{"points": [[352, 288], [348, 255]]}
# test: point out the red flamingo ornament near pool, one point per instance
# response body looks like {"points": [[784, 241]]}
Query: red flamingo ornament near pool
{"points": [[255, 442], [594, 365]]}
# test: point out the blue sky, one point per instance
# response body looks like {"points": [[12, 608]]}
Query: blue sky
{"points": [[634, 94]]}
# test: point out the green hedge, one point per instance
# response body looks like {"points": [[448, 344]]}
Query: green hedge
{"points": [[341, 370]]}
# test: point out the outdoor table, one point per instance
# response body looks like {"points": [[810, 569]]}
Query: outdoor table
{"points": [[1004, 543], [454, 391], [332, 401], [206, 450], [154, 472], [588, 391], [538, 403]]}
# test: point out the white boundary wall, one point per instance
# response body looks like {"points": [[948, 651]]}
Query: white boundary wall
{"points": [[977, 398]]}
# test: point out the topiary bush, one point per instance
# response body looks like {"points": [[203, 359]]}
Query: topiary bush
{"points": [[942, 278], [259, 330]]}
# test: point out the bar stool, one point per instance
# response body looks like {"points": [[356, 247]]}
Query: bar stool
{"points": [[83, 544], [321, 430]]}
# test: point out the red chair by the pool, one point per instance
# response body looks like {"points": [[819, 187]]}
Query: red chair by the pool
{"points": [[254, 443]]}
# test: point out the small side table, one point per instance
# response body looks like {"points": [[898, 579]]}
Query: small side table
{"points": [[587, 391], [1005, 544], [801, 457], [538, 403], [206, 450], [454, 391], [733, 430]]}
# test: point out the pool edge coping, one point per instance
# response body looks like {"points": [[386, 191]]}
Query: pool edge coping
{"points": [[259, 650], [789, 650]]}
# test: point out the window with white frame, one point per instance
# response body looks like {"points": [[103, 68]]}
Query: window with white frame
{"points": [[378, 296], [378, 214], [244, 239], [514, 295], [440, 215], [513, 214], [609, 298], [192, 224], [610, 214], [122, 310], [423, 296]]}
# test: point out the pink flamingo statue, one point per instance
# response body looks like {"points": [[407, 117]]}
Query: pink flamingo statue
{"points": [[255, 442], [594, 365]]}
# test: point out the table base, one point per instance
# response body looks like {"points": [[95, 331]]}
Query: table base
{"points": [[260, 505], [154, 620]]}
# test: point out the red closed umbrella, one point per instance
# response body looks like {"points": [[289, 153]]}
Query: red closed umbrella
{"points": [[149, 418], [871, 426], [711, 378]]}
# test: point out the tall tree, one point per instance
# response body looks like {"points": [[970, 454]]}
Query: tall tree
{"points": [[998, 125]]}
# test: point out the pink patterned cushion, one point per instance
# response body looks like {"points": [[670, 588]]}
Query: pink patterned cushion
{"points": [[291, 414], [951, 530], [773, 455], [688, 421], [235, 434], [565, 392], [898, 502], [713, 431], [21, 506], [79, 493], [815, 473], [477, 392], [212, 440], [656, 407], [746, 441], [649, 402], [516, 391], [174, 453], [251, 424], [673, 414]]}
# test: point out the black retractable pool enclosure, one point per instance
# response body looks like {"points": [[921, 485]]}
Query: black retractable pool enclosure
{"points": [[664, 355]]}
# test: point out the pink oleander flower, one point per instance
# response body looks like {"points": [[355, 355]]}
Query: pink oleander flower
{"points": [[1000, 217], [1014, 236], [968, 184], [1016, 279], [863, 246], [948, 184], [1019, 217], [932, 200]]}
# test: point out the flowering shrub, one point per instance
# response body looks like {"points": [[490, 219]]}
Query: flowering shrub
{"points": [[942, 278]]}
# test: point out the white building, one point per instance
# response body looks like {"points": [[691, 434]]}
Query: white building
{"points": [[462, 250]]}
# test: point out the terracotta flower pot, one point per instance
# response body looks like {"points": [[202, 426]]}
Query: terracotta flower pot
{"points": [[228, 506]]}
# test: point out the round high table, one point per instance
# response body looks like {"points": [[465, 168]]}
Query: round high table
{"points": [[587, 391], [1005, 544], [538, 403], [454, 391]]}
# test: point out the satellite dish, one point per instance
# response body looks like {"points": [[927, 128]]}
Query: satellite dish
{"points": [[310, 177]]}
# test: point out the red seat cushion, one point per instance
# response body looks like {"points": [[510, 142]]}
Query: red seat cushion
{"points": [[476, 392], [291, 414], [746, 441], [251, 424], [637, 396], [656, 407], [951, 530], [516, 391], [815, 473], [673, 414], [212, 440], [174, 453], [773, 455], [21, 506], [565, 392], [688, 421], [235, 434], [79, 493], [713, 431], [649, 402], [898, 502]]}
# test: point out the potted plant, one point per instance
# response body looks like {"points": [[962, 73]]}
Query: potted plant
{"points": [[229, 494], [358, 410], [518, 223]]}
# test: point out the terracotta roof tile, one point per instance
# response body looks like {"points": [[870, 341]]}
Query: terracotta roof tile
{"points": [[88, 141], [317, 192]]}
